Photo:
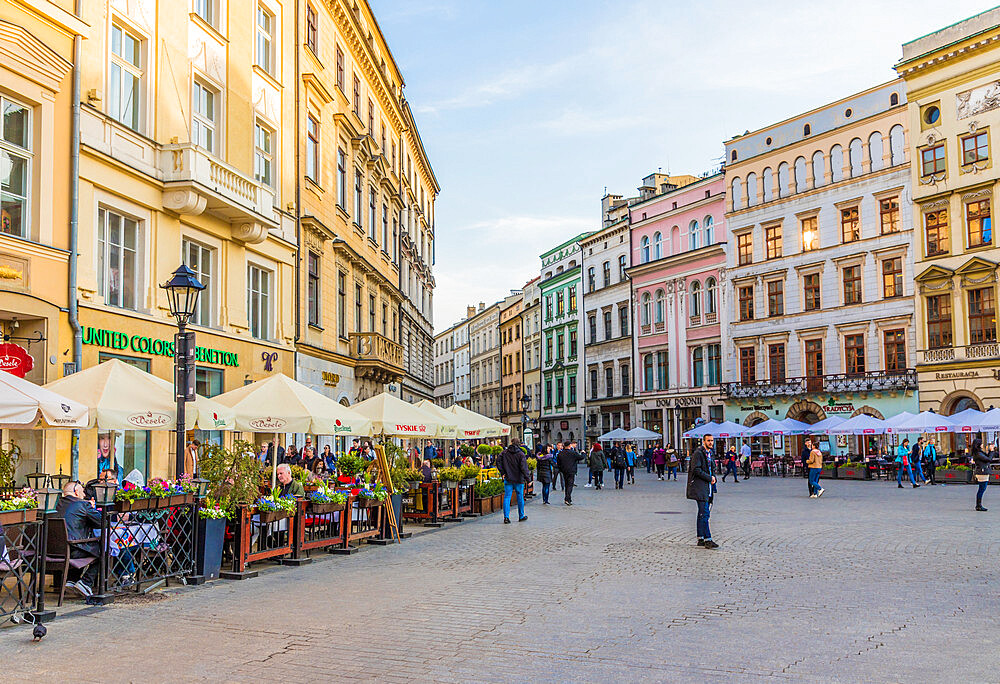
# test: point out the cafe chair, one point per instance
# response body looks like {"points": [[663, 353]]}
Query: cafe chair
{"points": [[57, 555]]}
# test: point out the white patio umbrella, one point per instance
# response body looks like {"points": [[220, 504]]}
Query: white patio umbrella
{"points": [[393, 417], [725, 430], [820, 427], [449, 421], [122, 397], [477, 425], [778, 427], [638, 433], [613, 435], [925, 421], [861, 424], [23, 404], [988, 421], [892, 421]]}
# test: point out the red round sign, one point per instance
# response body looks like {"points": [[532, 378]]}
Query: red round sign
{"points": [[15, 359]]}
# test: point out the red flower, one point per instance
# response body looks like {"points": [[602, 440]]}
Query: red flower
{"points": [[345, 479], [355, 491]]}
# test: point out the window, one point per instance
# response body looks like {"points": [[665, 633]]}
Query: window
{"points": [[371, 313], [697, 367], [572, 343], [852, 284], [259, 301], [592, 325], [607, 273], [199, 259], [748, 365], [854, 354], [895, 350], [939, 321], [371, 118], [372, 230], [385, 319], [341, 80], [621, 268], [772, 241], [572, 299], [776, 362], [560, 307], [357, 95], [714, 363], [744, 249], [709, 230], [312, 29], [775, 298], [975, 148], [889, 215], [609, 381], [695, 299], [358, 306], [647, 372], [560, 385], [693, 235], [263, 164], [117, 259], [892, 277], [810, 235], [644, 249], [814, 359], [548, 394], [645, 313], [978, 224], [341, 178], [657, 245], [572, 390], [206, 10], [810, 283], [312, 148], [125, 76], [658, 319], [850, 228], [342, 304], [623, 320], [710, 295], [625, 380], [936, 232], [385, 228], [607, 324], [560, 338], [358, 197], [265, 39], [746, 302], [932, 160], [982, 316], [593, 383], [312, 287], [15, 167], [661, 370], [591, 280]]}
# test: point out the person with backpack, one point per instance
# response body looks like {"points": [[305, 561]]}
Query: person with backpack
{"points": [[598, 463], [546, 471], [930, 461], [659, 460], [513, 466], [619, 463]]}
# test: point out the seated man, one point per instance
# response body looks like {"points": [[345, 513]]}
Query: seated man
{"points": [[427, 472], [287, 484], [82, 518]]}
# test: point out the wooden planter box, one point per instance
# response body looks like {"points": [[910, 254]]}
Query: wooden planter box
{"points": [[137, 505], [498, 502], [952, 476], [828, 473], [179, 499], [319, 508], [267, 517], [483, 505], [449, 484], [369, 503], [21, 515], [994, 478], [853, 474]]}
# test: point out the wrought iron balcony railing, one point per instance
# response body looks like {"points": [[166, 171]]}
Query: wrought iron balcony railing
{"points": [[872, 381]]}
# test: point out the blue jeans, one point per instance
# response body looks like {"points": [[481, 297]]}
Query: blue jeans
{"points": [[899, 473], [919, 470], [814, 480], [704, 511], [508, 488], [980, 492], [619, 477], [672, 472], [545, 491]]}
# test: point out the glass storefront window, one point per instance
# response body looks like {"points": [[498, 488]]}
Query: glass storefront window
{"points": [[127, 449]]}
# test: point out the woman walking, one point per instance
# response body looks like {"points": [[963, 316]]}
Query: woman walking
{"points": [[982, 472], [659, 460], [630, 462], [815, 463], [731, 465], [546, 466], [597, 464], [903, 461]]}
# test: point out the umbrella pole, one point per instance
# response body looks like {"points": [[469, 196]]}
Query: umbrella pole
{"points": [[274, 463]]}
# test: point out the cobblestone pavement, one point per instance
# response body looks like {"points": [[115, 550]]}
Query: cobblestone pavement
{"points": [[869, 583]]}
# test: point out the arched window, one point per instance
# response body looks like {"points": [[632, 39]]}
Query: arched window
{"points": [[645, 308], [806, 130], [736, 193], [751, 189], [837, 163], [819, 169], [710, 293], [875, 150], [783, 179], [695, 299], [693, 234], [709, 231], [675, 240], [659, 307], [644, 249], [767, 178], [800, 174], [893, 101], [657, 245], [732, 155], [897, 145], [856, 152]]}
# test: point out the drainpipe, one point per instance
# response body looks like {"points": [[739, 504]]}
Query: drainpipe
{"points": [[74, 228], [298, 190]]}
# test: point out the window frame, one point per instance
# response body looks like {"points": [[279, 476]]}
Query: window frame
{"points": [[205, 311], [812, 295], [888, 215], [313, 152], [985, 313], [855, 283], [745, 296], [748, 365], [203, 92], [776, 370], [937, 160], [264, 39], [772, 242], [26, 155], [938, 318], [744, 249], [854, 354], [775, 298], [982, 218], [126, 67], [850, 224], [965, 149], [263, 157], [894, 288], [894, 350], [314, 261], [805, 223], [259, 318], [341, 178], [312, 29], [940, 227], [102, 256]]}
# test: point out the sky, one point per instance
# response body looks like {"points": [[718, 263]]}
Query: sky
{"points": [[531, 109]]}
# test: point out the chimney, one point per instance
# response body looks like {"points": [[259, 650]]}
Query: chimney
{"points": [[482, 306], [470, 311]]}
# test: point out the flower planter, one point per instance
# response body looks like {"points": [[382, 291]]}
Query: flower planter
{"points": [[952, 476], [267, 517], [310, 486], [498, 502], [368, 503], [468, 482], [137, 505], [828, 473], [995, 478], [211, 535], [449, 484], [853, 474], [324, 507], [180, 499], [22, 515], [414, 484], [483, 505]]}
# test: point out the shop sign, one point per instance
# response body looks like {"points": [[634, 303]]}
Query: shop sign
{"points": [[758, 407], [15, 359], [148, 420], [331, 379], [834, 407], [267, 424], [142, 344], [958, 375], [419, 429], [678, 402]]}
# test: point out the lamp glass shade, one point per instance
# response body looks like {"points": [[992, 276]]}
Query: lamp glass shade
{"points": [[183, 290], [59, 481], [202, 486], [48, 498], [37, 480], [104, 493]]}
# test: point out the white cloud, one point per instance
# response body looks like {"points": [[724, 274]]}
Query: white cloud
{"points": [[504, 85]]}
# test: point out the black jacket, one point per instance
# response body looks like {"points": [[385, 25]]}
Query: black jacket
{"points": [[567, 461], [81, 521], [513, 465], [982, 462], [699, 484], [546, 466]]}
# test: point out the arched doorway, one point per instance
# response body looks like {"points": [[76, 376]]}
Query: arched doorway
{"points": [[956, 402], [758, 445]]}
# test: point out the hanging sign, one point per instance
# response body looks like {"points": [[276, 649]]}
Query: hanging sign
{"points": [[15, 359]]}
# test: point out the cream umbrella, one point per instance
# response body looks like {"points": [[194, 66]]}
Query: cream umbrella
{"points": [[393, 417], [449, 421], [23, 404], [280, 404], [476, 425], [122, 397]]}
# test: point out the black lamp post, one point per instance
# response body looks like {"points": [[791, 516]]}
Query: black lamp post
{"points": [[183, 290], [525, 403]]}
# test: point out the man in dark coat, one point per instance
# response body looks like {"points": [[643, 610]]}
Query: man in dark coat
{"points": [[82, 518], [270, 453], [546, 470], [513, 466], [567, 460], [804, 457], [699, 488]]}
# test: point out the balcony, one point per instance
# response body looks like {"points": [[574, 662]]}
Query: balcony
{"points": [[874, 381], [195, 182], [377, 358], [971, 352]]}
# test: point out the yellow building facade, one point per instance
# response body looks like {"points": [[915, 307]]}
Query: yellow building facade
{"points": [[953, 90]]}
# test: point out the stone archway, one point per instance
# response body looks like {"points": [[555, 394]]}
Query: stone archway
{"points": [[754, 418], [804, 407], [953, 402], [868, 411]]}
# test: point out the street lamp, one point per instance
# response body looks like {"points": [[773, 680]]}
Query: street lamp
{"points": [[525, 402], [183, 290]]}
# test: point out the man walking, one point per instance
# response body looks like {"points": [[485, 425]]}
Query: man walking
{"points": [[546, 470], [804, 457], [567, 460], [916, 458], [618, 461], [513, 466], [699, 488], [745, 458]]}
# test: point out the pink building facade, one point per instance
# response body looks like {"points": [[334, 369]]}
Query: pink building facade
{"points": [[678, 252]]}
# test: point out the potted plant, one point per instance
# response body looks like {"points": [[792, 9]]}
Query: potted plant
{"points": [[437, 463], [829, 471], [275, 507], [486, 491], [413, 477], [325, 500], [450, 477], [350, 466], [468, 474], [211, 536], [852, 470], [467, 450], [954, 474], [131, 497], [21, 507], [9, 455], [532, 466], [371, 495]]}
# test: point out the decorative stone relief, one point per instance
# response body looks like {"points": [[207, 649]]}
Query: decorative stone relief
{"points": [[982, 99], [184, 201]]}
